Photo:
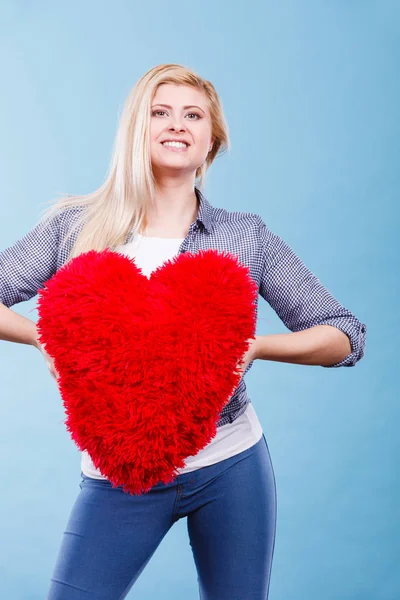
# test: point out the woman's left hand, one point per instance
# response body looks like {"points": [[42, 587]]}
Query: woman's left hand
{"points": [[249, 356]]}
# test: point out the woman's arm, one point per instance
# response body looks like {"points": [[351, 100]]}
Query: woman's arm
{"points": [[24, 269], [307, 308], [321, 345], [29, 262], [16, 328]]}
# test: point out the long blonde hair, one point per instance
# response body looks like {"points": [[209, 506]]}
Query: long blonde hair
{"points": [[121, 203]]}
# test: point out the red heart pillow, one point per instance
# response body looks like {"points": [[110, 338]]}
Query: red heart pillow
{"points": [[146, 364]]}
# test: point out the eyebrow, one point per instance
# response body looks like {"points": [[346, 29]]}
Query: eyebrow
{"points": [[185, 107]]}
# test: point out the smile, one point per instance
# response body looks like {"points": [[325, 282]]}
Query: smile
{"points": [[175, 146]]}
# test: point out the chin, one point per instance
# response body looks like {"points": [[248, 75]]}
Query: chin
{"points": [[174, 165]]}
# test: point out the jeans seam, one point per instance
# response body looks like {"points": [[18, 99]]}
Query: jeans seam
{"points": [[177, 498]]}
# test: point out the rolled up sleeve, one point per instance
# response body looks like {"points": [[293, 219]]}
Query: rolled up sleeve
{"points": [[299, 298], [29, 262]]}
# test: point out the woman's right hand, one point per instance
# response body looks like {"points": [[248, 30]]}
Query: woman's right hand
{"points": [[49, 360]]}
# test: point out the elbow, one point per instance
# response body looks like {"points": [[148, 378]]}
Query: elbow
{"points": [[357, 336]]}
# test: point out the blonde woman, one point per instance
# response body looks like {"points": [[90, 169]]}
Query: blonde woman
{"points": [[152, 208]]}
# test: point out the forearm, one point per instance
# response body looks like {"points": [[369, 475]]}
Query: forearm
{"points": [[321, 345], [16, 328]]}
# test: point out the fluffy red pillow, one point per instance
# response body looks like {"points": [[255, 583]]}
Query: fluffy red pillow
{"points": [[146, 364]]}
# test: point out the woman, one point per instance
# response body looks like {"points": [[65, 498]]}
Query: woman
{"points": [[151, 208]]}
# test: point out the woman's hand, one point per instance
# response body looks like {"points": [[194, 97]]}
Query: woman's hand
{"points": [[248, 357], [47, 358]]}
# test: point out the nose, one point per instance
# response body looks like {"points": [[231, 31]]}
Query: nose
{"points": [[176, 125]]}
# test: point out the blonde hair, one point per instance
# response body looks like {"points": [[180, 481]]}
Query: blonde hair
{"points": [[121, 203]]}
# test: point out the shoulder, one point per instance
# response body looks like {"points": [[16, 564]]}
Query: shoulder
{"points": [[69, 214], [252, 231], [60, 217], [68, 218], [240, 218], [250, 224]]}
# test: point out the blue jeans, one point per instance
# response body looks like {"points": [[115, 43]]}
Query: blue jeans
{"points": [[231, 519]]}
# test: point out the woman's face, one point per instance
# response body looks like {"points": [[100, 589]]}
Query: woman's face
{"points": [[179, 113]]}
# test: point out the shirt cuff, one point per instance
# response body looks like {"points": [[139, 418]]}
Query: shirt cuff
{"points": [[356, 332]]}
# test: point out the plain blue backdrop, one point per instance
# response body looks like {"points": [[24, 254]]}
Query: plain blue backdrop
{"points": [[311, 95]]}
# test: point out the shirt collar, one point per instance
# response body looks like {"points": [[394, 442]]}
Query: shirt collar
{"points": [[205, 212]]}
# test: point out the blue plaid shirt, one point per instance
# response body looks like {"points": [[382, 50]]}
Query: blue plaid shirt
{"points": [[284, 281]]}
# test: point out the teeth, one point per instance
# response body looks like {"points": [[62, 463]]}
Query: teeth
{"points": [[175, 144]]}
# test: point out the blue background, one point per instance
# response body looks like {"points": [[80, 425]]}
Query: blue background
{"points": [[311, 95]]}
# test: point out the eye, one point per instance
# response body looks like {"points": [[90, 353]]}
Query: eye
{"points": [[155, 112]]}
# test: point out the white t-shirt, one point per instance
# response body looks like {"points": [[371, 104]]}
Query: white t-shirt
{"points": [[230, 439]]}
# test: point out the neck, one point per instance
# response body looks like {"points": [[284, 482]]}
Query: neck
{"points": [[175, 204]]}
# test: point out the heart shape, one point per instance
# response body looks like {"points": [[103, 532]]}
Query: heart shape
{"points": [[146, 364]]}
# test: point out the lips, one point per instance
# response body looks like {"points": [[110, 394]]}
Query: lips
{"points": [[179, 141]]}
